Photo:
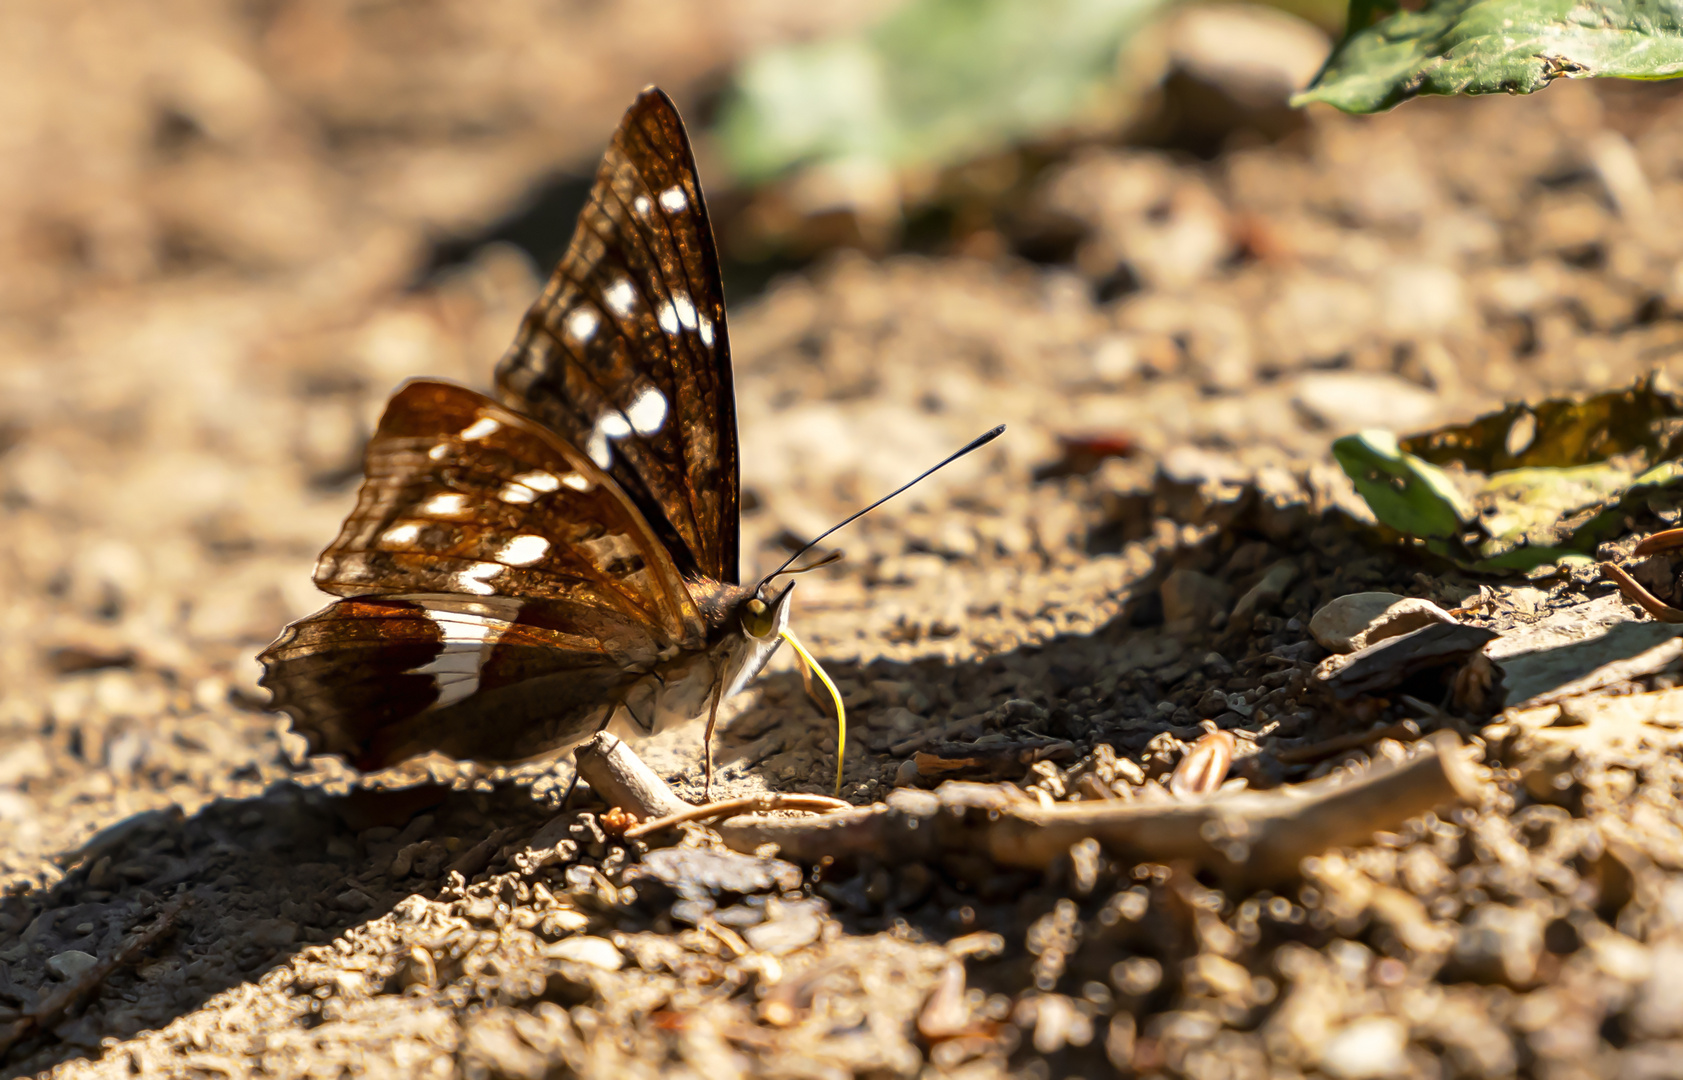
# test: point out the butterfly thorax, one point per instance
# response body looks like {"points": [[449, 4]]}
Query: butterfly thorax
{"points": [[743, 631]]}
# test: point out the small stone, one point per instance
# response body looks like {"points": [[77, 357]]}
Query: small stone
{"points": [[1191, 599], [272, 933], [564, 921], [1621, 957], [791, 929], [1656, 1010], [24, 762], [692, 871], [906, 775], [1366, 1049], [1356, 621], [1344, 401], [71, 963], [353, 900], [582, 949], [1498, 944]]}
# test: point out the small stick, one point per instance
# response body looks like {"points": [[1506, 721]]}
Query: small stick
{"points": [[622, 779], [1665, 540], [924, 738], [747, 804], [1204, 768], [1636, 594], [1351, 740]]}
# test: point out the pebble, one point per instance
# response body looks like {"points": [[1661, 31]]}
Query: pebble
{"points": [[1345, 401], [1656, 1010], [1353, 622], [1192, 599], [584, 949], [1367, 1049], [71, 963], [1499, 944], [790, 930]]}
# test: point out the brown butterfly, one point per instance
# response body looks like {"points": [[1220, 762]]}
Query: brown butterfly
{"points": [[516, 572]]}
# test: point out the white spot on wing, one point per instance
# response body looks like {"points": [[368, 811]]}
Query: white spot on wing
{"points": [[648, 412], [477, 578], [480, 428], [447, 504], [468, 641], [581, 324], [673, 199], [669, 318], [621, 296], [401, 536], [576, 481], [597, 447], [517, 494], [706, 330], [538, 480], [645, 414], [686, 310], [439, 452], [641, 205], [523, 550]]}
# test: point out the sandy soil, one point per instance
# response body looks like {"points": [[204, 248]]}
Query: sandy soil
{"points": [[220, 256]]}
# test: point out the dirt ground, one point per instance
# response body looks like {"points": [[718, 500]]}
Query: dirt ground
{"points": [[222, 238]]}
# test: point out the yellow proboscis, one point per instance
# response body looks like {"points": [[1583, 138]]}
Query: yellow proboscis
{"points": [[835, 696]]}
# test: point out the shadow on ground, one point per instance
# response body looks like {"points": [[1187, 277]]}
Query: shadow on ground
{"points": [[263, 878]]}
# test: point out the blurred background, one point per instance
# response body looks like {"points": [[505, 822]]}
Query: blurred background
{"points": [[229, 228]]}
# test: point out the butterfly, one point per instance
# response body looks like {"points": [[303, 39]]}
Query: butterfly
{"points": [[519, 570]]}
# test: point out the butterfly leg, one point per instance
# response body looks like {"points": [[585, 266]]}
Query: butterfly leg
{"points": [[707, 743]]}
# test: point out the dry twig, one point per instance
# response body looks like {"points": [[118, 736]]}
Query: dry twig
{"points": [[1636, 594], [1664, 540], [621, 779], [1403, 730], [1204, 768], [748, 804], [939, 734], [1251, 836]]}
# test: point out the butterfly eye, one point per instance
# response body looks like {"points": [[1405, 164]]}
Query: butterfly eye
{"points": [[756, 618]]}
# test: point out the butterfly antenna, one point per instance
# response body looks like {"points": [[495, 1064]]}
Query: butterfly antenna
{"points": [[974, 444]]}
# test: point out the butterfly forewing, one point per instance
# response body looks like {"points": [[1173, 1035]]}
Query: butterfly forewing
{"points": [[625, 353], [463, 496]]}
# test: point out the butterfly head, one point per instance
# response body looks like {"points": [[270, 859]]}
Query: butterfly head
{"points": [[764, 617]]}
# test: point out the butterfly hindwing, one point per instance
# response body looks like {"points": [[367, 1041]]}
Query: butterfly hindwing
{"points": [[626, 354], [378, 679], [463, 496]]}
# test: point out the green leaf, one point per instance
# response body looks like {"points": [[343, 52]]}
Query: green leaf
{"points": [[935, 82], [1412, 496], [1496, 46]]}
